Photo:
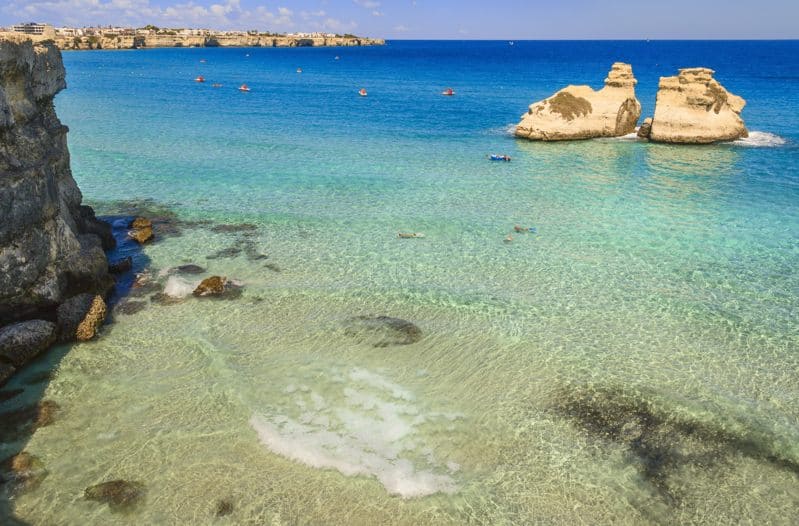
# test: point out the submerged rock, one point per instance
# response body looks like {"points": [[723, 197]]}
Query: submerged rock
{"points": [[6, 372], [120, 495], [383, 331], [579, 112], [23, 471], [21, 342], [224, 507], [693, 108], [189, 269], [228, 229], [141, 235], [120, 266], [130, 307], [18, 423]]}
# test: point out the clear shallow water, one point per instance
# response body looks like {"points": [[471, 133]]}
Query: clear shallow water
{"points": [[658, 292]]}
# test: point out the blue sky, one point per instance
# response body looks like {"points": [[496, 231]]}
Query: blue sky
{"points": [[446, 19]]}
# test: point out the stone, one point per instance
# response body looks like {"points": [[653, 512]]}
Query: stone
{"points": [[693, 108], [232, 229], [189, 269], [141, 222], [23, 471], [646, 129], [18, 423], [579, 112], [142, 235], [21, 342], [120, 266], [80, 317], [130, 307], [213, 286], [223, 508], [46, 248], [120, 495], [383, 331], [94, 319]]}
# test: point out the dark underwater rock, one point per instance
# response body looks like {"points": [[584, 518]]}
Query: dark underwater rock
{"points": [[383, 331], [120, 495], [234, 229], [130, 307], [18, 423], [224, 507], [23, 471], [189, 269], [120, 266]]}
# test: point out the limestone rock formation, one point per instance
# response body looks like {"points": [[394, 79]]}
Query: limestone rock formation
{"points": [[646, 128], [49, 244], [693, 108], [579, 112]]}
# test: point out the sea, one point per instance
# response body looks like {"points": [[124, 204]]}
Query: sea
{"points": [[630, 355]]}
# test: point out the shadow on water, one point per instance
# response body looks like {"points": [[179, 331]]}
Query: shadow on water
{"points": [[24, 407]]}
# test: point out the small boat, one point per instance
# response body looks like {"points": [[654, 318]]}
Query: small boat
{"points": [[216, 85], [299, 70], [497, 157], [449, 92], [337, 57], [410, 235], [200, 79], [509, 239], [202, 61], [362, 92], [511, 42], [244, 87]]}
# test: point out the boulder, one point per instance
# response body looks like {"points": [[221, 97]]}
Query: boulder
{"points": [[6, 372], [80, 317], [190, 269], [21, 342], [142, 235], [120, 495], [579, 112], [213, 286], [646, 128], [693, 108], [120, 266]]}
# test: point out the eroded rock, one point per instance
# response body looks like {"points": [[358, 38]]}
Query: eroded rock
{"points": [[693, 108], [120, 266], [80, 317], [579, 112]]}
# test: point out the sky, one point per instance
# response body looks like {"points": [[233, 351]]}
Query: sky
{"points": [[436, 19]]}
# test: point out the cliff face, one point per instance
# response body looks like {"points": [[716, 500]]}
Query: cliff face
{"points": [[693, 108], [50, 246], [579, 112], [162, 40]]}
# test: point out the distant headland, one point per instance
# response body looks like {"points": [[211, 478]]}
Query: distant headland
{"points": [[109, 37]]}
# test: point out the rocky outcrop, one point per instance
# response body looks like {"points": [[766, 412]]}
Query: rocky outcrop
{"points": [[646, 129], [579, 112], [693, 108], [80, 317], [50, 246]]}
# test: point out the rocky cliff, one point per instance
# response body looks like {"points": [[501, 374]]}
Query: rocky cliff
{"points": [[579, 112], [51, 247], [693, 108], [163, 40]]}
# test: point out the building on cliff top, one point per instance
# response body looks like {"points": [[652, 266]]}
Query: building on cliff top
{"points": [[32, 28]]}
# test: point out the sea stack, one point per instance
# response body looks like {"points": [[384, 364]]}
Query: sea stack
{"points": [[580, 112], [693, 108], [51, 247]]}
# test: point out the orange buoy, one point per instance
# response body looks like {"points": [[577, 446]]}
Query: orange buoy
{"points": [[362, 92]]}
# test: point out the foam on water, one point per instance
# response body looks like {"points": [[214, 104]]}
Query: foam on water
{"points": [[758, 139], [367, 425], [178, 287]]}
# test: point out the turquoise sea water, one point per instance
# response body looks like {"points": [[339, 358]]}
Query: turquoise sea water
{"points": [[632, 361]]}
